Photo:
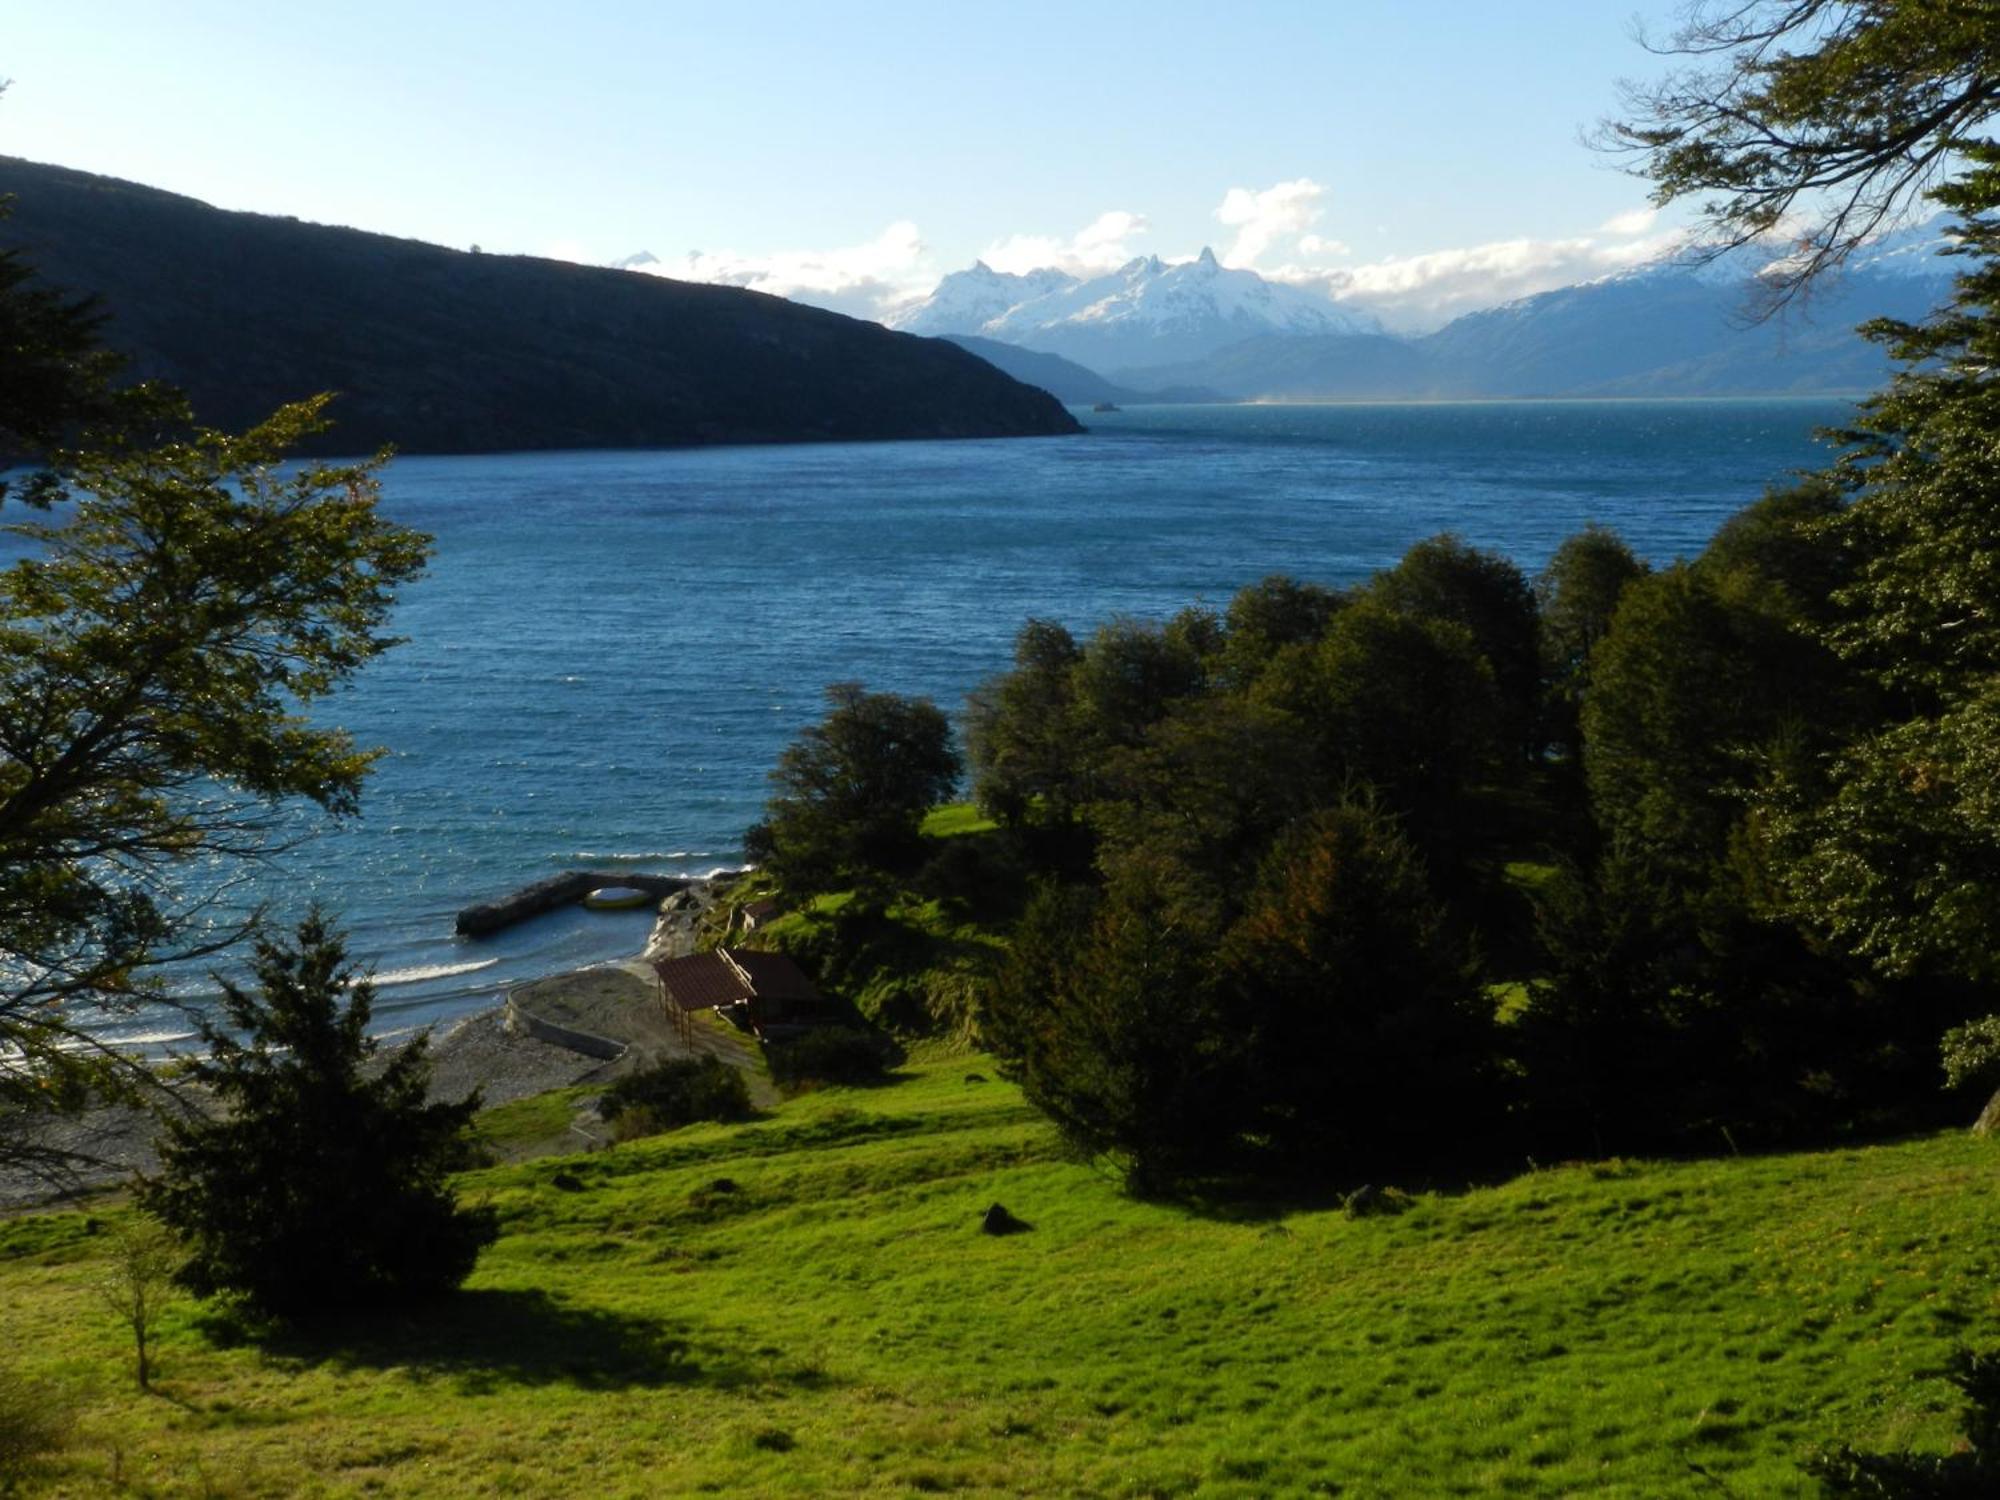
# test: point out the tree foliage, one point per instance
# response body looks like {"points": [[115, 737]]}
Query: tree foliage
{"points": [[1888, 842], [1269, 616], [157, 647], [680, 1091], [1576, 595], [852, 790], [1443, 579], [1675, 702], [1112, 1022], [1971, 1055], [1404, 703], [139, 1283], [1685, 999], [322, 1180], [1253, 974], [1818, 121], [1366, 1041], [1317, 1021], [1019, 730]]}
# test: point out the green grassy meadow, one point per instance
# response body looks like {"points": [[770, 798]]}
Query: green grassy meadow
{"points": [[806, 1305]]}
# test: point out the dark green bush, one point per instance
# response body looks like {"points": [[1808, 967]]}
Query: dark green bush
{"points": [[324, 1180], [830, 1054], [672, 1094]]}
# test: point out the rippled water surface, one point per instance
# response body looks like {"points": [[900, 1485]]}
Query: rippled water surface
{"points": [[611, 648]]}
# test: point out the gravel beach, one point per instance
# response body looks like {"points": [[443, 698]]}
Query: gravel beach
{"points": [[475, 1052]]}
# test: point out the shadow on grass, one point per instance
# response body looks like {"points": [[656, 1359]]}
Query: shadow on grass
{"points": [[800, 1088], [482, 1340], [1276, 1195]]}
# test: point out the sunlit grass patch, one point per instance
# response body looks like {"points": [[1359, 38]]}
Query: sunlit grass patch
{"points": [[806, 1304]]}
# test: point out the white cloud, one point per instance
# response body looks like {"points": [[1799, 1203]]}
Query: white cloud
{"points": [[1099, 246], [1416, 293], [867, 280], [1264, 217], [1634, 221], [1412, 293]]}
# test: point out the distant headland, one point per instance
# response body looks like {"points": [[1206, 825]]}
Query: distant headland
{"points": [[451, 351]]}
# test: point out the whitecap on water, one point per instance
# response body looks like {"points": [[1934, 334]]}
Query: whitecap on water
{"points": [[422, 972]]}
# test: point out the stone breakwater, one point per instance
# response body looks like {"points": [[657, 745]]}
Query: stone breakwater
{"points": [[558, 890]]}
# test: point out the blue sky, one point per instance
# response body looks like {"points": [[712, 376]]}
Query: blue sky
{"points": [[1422, 156]]}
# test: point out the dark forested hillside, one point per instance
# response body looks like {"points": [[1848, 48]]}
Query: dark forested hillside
{"points": [[444, 351]]}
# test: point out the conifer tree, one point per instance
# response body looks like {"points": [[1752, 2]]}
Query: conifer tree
{"points": [[323, 1178]]}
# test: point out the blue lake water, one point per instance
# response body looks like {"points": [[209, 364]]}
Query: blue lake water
{"points": [[611, 648]]}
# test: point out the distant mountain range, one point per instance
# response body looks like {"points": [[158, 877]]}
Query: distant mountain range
{"points": [[440, 350], [1145, 313], [1666, 329], [1069, 381]]}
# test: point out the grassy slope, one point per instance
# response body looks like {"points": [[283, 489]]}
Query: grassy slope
{"points": [[836, 1322]]}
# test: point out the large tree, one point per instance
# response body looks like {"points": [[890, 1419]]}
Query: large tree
{"points": [[1019, 730], [1443, 579], [1576, 594], [1310, 1018], [160, 641], [850, 794], [1826, 119]]}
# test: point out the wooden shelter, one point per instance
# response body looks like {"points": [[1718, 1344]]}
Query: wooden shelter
{"points": [[765, 991]]}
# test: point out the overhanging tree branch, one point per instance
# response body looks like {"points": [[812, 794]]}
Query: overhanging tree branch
{"points": [[1812, 125]]}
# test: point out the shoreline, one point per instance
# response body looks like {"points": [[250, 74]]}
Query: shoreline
{"points": [[480, 1050], [477, 1051]]}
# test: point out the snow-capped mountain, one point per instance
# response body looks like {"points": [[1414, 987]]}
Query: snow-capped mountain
{"points": [[1917, 251], [1676, 330], [638, 261], [1147, 312], [1666, 328], [966, 301], [1914, 252]]}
